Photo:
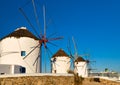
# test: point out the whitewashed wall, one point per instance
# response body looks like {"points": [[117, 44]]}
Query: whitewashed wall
{"points": [[5, 69], [81, 69], [61, 65], [0, 51], [16, 45], [9, 69]]}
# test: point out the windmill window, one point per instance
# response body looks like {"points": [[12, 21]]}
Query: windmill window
{"points": [[54, 71], [2, 73], [22, 70], [23, 53], [54, 60]]}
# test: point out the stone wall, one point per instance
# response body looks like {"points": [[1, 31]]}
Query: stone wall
{"points": [[102, 81], [52, 79], [109, 82], [38, 80]]}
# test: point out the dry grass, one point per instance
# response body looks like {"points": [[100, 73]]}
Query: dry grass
{"points": [[55, 80]]}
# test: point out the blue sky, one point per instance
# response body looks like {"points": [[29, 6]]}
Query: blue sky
{"points": [[95, 25]]}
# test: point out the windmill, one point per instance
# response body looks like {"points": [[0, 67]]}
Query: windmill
{"points": [[79, 64], [89, 63], [60, 62], [43, 39], [15, 46]]}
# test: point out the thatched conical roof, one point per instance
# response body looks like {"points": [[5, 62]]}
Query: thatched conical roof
{"points": [[60, 53], [21, 32], [80, 59]]}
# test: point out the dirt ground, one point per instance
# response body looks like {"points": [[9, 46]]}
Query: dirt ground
{"points": [[91, 83], [97, 81]]}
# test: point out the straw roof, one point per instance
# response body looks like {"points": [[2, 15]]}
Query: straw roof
{"points": [[60, 53], [80, 59], [21, 32]]}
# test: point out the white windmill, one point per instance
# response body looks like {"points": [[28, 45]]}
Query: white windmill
{"points": [[80, 65], [15, 46], [23, 48], [42, 37], [60, 62]]}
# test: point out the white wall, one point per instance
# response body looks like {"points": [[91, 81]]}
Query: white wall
{"points": [[16, 45], [0, 51], [5, 69], [81, 69], [61, 65], [9, 69]]}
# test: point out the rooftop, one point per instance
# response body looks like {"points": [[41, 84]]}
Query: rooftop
{"points": [[60, 53], [80, 59], [21, 32]]}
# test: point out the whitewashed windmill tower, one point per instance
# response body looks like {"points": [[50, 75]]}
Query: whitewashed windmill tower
{"points": [[42, 36], [60, 62], [81, 67], [17, 45], [22, 48], [79, 64]]}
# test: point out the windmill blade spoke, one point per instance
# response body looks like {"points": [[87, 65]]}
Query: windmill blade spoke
{"points": [[31, 51], [52, 39], [75, 47], [36, 60], [44, 17], [49, 52], [70, 53], [53, 44], [36, 65], [69, 47], [40, 58], [23, 13], [71, 64], [51, 35], [36, 16], [45, 57], [48, 23], [72, 57]]}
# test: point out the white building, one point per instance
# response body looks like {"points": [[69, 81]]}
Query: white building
{"points": [[60, 62], [15, 46], [11, 69], [81, 67]]}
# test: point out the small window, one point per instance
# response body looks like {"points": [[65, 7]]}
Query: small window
{"points": [[54, 71], [22, 70], [2, 73], [23, 53]]}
